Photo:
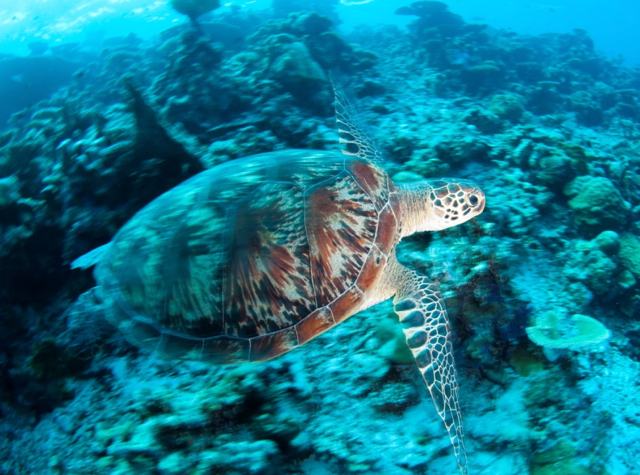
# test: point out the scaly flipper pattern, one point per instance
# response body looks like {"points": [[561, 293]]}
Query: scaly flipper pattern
{"points": [[351, 131], [424, 320]]}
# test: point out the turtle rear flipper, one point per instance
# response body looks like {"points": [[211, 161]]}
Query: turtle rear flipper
{"points": [[91, 258]]}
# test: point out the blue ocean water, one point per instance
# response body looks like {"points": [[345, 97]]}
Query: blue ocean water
{"points": [[195, 195]]}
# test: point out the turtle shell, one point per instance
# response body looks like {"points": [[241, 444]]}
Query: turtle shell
{"points": [[251, 258]]}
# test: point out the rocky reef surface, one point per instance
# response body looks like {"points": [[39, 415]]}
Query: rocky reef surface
{"points": [[542, 288]]}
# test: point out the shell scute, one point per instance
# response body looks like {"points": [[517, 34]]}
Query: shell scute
{"points": [[372, 269], [269, 346], [347, 304], [341, 228], [314, 324], [373, 180], [387, 231]]}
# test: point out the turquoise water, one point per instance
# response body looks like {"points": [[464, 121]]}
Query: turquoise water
{"points": [[266, 237]]}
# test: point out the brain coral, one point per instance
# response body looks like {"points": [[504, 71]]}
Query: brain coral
{"points": [[597, 204]]}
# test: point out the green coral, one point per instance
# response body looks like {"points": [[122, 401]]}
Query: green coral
{"points": [[525, 362], [393, 345], [556, 333], [558, 460]]}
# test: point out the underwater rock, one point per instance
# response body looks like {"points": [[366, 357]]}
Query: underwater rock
{"points": [[507, 106], [150, 163], [433, 18], [626, 279], [587, 109], [486, 121], [326, 47], [580, 156], [484, 77], [550, 166], [194, 8], [9, 191], [559, 459], [591, 266], [370, 87], [597, 204], [544, 99], [608, 242], [240, 457], [297, 71], [393, 397], [630, 253]]}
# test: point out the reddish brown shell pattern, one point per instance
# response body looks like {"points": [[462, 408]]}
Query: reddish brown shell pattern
{"points": [[251, 258]]}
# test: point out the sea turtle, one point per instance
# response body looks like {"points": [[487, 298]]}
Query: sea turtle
{"points": [[257, 256]]}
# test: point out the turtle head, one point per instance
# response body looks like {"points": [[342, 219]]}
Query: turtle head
{"points": [[450, 202], [432, 205]]}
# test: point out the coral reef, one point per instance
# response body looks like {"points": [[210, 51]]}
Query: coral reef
{"points": [[597, 204], [554, 332], [194, 8], [544, 123]]}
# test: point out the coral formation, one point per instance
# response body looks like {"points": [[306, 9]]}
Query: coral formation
{"points": [[554, 332], [545, 123], [597, 204], [630, 253], [194, 8]]}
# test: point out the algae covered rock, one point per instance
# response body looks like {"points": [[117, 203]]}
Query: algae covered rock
{"points": [[296, 69], [507, 106], [608, 242], [588, 110], [597, 204], [485, 121], [559, 459], [550, 165], [9, 191], [434, 18], [588, 264], [630, 253]]}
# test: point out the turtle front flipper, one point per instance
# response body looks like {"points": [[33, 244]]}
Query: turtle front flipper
{"points": [[352, 132], [424, 320]]}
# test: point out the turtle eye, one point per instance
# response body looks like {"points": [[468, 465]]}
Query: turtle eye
{"points": [[473, 199]]}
